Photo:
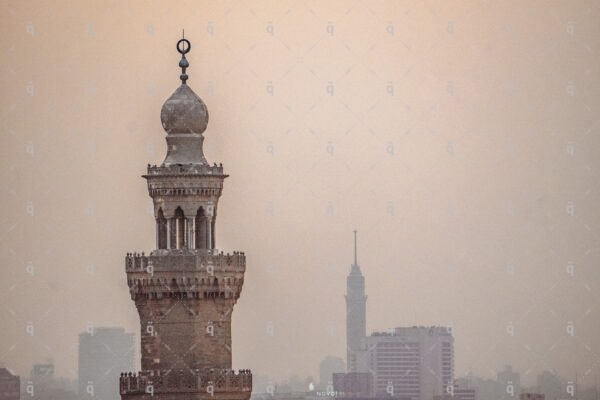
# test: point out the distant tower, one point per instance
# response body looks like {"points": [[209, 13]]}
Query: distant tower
{"points": [[356, 312], [185, 290]]}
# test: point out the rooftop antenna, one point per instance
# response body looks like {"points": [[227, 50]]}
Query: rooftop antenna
{"points": [[355, 257]]}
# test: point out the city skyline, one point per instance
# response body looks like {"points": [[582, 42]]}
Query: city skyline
{"points": [[460, 141]]}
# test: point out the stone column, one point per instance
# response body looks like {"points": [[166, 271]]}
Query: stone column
{"points": [[212, 229], [189, 233], [158, 233], [209, 233], [168, 233], [184, 233], [193, 233], [176, 233]]}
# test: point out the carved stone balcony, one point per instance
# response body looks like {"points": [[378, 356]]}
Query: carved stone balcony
{"points": [[185, 260], [209, 382]]}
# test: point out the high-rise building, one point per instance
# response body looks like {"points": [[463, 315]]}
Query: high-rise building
{"points": [[410, 363], [103, 353], [356, 312], [185, 289], [10, 385]]}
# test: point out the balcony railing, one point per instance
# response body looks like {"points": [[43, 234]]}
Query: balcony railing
{"points": [[210, 382]]}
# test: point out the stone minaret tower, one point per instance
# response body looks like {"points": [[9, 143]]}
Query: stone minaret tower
{"points": [[356, 312], [185, 289]]}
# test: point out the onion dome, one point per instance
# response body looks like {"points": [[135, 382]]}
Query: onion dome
{"points": [[184, 112], [184, 117]]}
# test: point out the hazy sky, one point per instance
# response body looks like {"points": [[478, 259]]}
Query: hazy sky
{"points": [[454, 135]]}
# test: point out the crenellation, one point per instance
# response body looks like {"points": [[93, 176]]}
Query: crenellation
{"points": [[186, 169], [188, 191], [186, 260]]}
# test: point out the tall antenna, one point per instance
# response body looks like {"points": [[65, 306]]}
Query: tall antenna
{"points": [[355, 257]]}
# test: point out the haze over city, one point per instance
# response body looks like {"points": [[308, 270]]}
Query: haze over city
{"points": [[460, 139]]}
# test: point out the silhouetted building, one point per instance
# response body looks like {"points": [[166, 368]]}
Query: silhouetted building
{"points": [[280, 396], [410, 363], [42, 372], [462, 393], [185, 289], [103, 353], [10, 385], [356, 312], [486, 389], [531, 396], [42, 384], [41, 378], [353, 385]]}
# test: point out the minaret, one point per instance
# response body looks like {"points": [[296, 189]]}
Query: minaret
{"points": [[356, 312], [185, 289]]}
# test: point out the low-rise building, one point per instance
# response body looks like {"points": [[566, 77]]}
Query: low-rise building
{"points": [[10, 385], [353, 385], [531, 396]]}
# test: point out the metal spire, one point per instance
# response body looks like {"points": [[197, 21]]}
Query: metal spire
{"points": [[183, 47], [355, 257]]}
